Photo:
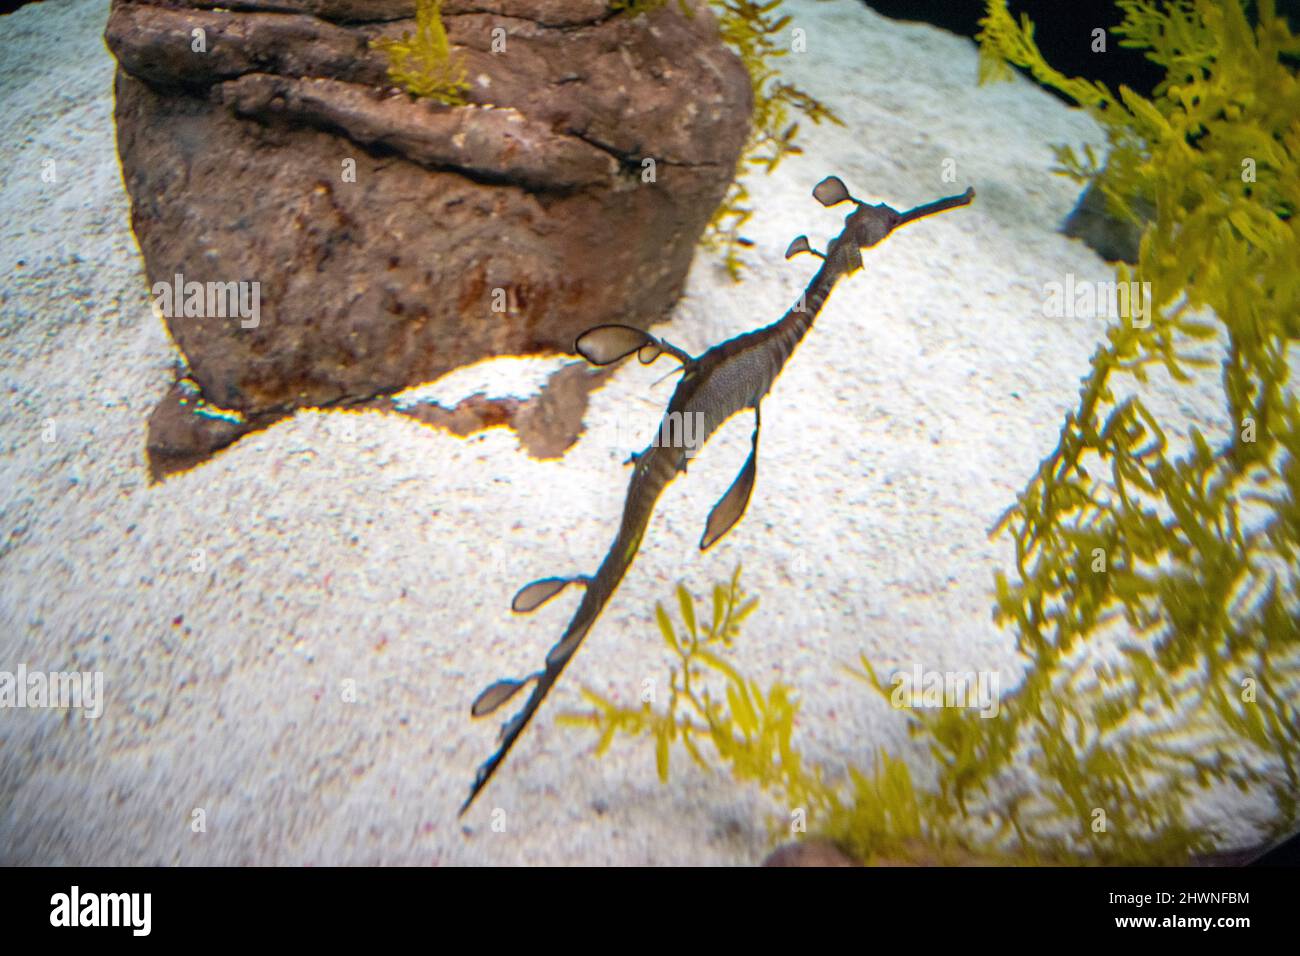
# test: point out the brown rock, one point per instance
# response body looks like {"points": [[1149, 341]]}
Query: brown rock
{"points": [[547, 424], [1109, 234], [504, 227], [183, 431]]}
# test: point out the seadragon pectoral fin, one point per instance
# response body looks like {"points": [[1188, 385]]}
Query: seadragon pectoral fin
{"points": [[852, 259], [532, 596], [606, 344], [731, 506]]}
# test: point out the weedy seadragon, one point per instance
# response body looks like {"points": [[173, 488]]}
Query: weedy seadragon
{"points": [[729, 378]]}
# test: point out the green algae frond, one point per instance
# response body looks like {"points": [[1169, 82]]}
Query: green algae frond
{"points": [[718, 716], [1086, 786], [1193, 554], [710, 706], [422, 64]]}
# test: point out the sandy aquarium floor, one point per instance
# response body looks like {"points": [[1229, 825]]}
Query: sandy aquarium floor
{"points": [[228, 606]]}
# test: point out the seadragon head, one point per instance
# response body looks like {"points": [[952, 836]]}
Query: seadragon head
{"points": [[867, 225]]}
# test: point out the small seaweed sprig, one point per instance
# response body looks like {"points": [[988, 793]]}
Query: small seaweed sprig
{"points": [[748, 728], [423, 64]]}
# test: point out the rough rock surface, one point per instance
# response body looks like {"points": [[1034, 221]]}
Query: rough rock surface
{"points": [[1110, 235], [547, 424], [504, 227]]}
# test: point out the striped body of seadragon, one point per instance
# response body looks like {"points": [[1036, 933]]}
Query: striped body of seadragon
{"points": [[729, 378]]}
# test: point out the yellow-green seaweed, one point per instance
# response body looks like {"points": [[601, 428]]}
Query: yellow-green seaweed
{"points": [[974, 811], [1199, 549], [422, 64]]}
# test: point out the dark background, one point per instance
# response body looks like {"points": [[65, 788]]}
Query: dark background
{"points": [[1062, 29]]}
